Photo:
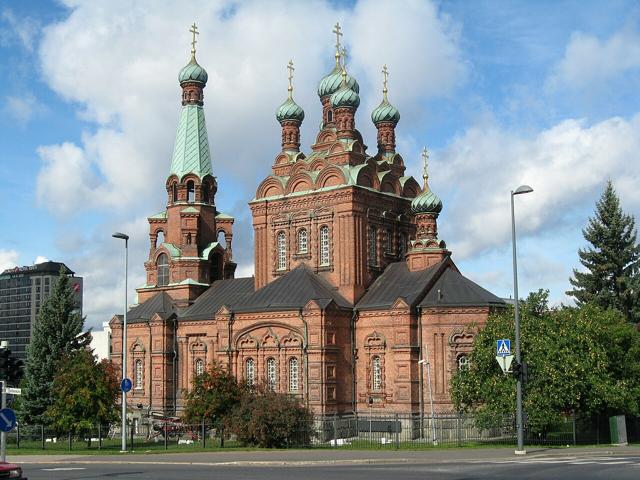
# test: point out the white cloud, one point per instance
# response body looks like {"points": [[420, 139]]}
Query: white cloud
{"points": [[23, 30], [118, 61], [567, 165], [8, 259], [589, 61], [22, 107], [40, 259]]}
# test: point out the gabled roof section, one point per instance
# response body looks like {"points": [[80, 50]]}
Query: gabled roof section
{"points": [[161, 303], [293, 291], [398, 282], [454, 290], [191, 153], [229, 292]]}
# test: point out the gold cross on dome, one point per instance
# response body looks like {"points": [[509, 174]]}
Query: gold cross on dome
{"points": [[194, 31], [291, 70], [338, 32], [425, 165], [385, 74]]}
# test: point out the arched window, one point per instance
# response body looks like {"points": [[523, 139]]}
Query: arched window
{"points": [[402, 244], [272, 377], [174, 191], [138, 374], [250, 371], [388, 241], [191, 191], [373, 246], [163, 269], [282, 251], [463, 362], [325, 257], [376, 374], [293, 374], [302, 241], [199, 367]]}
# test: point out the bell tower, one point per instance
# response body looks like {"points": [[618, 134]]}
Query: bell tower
{"points": [[190, 241]]}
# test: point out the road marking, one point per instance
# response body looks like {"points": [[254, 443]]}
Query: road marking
{"points": [[571, 460], [63, 469]]}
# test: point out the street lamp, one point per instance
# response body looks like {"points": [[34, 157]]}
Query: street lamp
{"points": [[520, 448], [124, 237], [433, 423]]}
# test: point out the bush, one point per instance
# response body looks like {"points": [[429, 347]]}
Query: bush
{"points": [[265, 418]]}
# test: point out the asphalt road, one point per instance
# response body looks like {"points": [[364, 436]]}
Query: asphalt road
{"points": [[569, 467]]}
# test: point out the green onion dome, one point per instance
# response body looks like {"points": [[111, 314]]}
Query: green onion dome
{"points": [[193, 72], [331, 83], [426, 202], [345, 97], [385, 112], [289, 110]]}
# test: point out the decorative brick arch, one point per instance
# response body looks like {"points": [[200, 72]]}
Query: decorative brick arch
{"points": [[269, 187]]}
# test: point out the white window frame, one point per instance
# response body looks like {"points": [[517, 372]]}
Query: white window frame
{"points": [[303, 244], [373, 246], [463, 363], [272, 373], [376, 374], [163, 279], [388, 239], [281, 245], [294, 371], [325, 254], [199, 367], [139, 371], [250, 371]]}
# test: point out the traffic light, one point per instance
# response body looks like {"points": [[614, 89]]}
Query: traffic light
{"points": [[516, 370], [5, 355], [15, 371]]}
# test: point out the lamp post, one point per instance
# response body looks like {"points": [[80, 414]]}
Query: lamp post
{"points": [[370, 402], [520, 448], [433, 423], [124, 237]]}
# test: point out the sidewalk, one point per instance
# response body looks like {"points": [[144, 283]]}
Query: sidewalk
{"points": [[319, 457]]}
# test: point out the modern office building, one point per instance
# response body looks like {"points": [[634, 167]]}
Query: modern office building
{"points": [[22, 292]]}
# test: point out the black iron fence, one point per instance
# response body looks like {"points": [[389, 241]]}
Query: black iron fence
{"points": [[346, 431]]}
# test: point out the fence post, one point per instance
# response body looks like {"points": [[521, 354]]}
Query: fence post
{"points": [[131, 432], [397, 428], [574, 427], [458, 429], [203, 434], [166, 435], [69, 440], [335, 430], [42, 435], [99, 436], [18, 435], [598, 429]]}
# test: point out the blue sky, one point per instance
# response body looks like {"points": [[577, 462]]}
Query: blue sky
{"points": [[502, 93]]}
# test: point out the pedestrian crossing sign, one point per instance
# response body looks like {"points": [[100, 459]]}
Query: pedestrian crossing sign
{"points": [[504, 347]]}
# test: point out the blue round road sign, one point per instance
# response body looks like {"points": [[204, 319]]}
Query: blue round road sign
{"points": [[7, 419], [126, 385]]}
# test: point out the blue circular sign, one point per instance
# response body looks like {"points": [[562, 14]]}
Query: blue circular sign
{"points": [[126, 385], [7, 419]]}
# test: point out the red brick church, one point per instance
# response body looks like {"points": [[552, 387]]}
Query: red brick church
{"points": [[352, 286]]}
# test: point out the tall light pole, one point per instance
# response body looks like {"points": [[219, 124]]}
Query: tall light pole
{"points": [[124, 237], [433, 423], [520, 448]]}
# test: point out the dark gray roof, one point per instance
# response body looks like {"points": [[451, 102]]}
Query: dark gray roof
{"points": [[293, 291], [457, 290], [397, 281], [161, 303], [229, 292]]}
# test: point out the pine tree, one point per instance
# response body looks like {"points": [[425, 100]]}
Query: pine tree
{"points": [[612, 263], [56, 333]]}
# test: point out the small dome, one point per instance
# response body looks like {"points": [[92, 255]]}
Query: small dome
{"points": [[289, 110], [345, 97], [332, 83], [426, 202], [385, 112], [193, 72]]}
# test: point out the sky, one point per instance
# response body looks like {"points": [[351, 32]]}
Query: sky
{"points": [[503, 93]]}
